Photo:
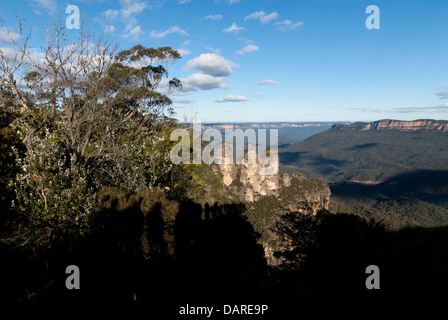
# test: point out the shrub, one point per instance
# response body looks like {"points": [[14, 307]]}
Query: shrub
{"points": [[51, 191], [146, 216]]}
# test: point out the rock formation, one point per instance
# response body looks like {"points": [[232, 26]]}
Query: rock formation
{"points": [[249, 180], [268, 197]]}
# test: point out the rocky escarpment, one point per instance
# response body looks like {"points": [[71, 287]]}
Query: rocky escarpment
{"points": [[269, 197], [297, 195], [250, 181], [415, 125]]}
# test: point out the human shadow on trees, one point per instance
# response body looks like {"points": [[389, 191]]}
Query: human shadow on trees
{"points": [[216, 255], [107, 255], [131, 252]]}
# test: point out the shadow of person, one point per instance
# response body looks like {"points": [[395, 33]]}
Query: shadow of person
{"points": [[207, 212], [220, 255], [154, 232]]}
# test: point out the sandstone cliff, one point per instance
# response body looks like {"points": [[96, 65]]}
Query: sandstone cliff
{"points": [[296, 195], [268, 197], [248, 180], [415, 125]]}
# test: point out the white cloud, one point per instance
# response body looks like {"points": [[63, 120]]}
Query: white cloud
{"points": [[183, 52], [288, 25], [111, 14], [211, 64], [214, 17], [262, 16], [132, 29], [233, 1], [182, 101], [48, 5], [360, 109], [200, 81], [110, 29], [131, 24], [128, 9], [131, 7], [247, 49], [179, 93], [213, 70], [184, 1], [267, 82], [208, 48], [441, 108], [36, 56], [232, 98], [9, 53], [255, 15], [162, 34], [233, 28], [135, 32], [7, 35], [443, 94]]}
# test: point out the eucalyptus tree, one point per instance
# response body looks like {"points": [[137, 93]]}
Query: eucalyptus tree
{"points": [[88, 115]]}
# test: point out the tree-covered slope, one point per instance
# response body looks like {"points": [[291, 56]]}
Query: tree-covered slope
{"points": [[397, 175], [375, 156]]}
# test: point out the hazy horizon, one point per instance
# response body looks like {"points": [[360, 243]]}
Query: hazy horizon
{"points": [[339, 121]]}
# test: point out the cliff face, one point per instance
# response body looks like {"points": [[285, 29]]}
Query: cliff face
{"points": [[268, 197], [415, 125], [249, 181], [297, 195]]}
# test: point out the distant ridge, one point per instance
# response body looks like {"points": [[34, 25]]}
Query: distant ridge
{"points": [[266, 125], [421, 124]]}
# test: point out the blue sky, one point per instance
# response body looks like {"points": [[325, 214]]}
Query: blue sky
{"points": [[282, 60]]}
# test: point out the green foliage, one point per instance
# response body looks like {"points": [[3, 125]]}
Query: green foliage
{"points": [[87, 124], [389, 174], [331, 251], [416, 198], [10, 145], [53, 195], [148, 213], [367, 155], [237, 181], [264, 212], [396, 213]]}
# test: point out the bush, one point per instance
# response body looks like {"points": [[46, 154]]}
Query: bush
{"points": [[52, 192], [145, 217]]}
